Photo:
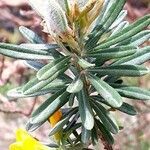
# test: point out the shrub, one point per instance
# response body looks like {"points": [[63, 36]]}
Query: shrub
{"points": [[92, 48]]}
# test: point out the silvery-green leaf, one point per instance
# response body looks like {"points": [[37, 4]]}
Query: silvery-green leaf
{"points": [[15, 93], [20, 48], [51, 68], [121, 26], [102, 113], [35, 85], [24, 56], [127, 32], [85, 110], [107, 4], [111, 53], [53, 15], [84, 64], [32, 127], [141, 56], [30, 35], [106, 91], [121, 70], [53, 86], [59, 126], [57, 83], [85, 135], [49, 107], [36, 65], [44, 47], [125, 107], [119, 19], [75, 86], [137, 39], [106, 134], [103, 26], [128, 109], [132, 92]]}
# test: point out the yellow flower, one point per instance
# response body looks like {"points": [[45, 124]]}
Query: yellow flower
{"points": [[54, 119], [24, 141]]}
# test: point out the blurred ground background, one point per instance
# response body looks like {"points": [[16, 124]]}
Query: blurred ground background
{"points": [[136, 132]]}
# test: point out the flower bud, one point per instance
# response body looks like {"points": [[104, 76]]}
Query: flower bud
{"points": [[53, 15], [56, 19], [40, 6]]}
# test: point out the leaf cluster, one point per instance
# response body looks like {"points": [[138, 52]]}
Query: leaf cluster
{"points": [[87, 83]]}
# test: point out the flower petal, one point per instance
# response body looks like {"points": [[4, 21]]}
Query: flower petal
{"points": [[22, 135], [16, 146]]}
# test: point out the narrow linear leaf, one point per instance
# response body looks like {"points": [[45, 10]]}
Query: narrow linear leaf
{"points": [[73, 121], [102, 113], [128, 109], [85, 135], [49, 107], [47, 102], [137, 39], [113, 49], [94, 135], [24, 56], [59, 126], [125, 107], [44, 47], [85, 110], [36, 65], [106, 134], [20, 48], [132, 92], [112, 53], [84, 64], [119, 19], [115, 10], [32, 127], [141, 56], [48, 70], [106, 91], [71, 99], [30, 35], [120, 27], [121, 70], [57, 83], [17, 93], [127, 32], [73, 128], [106, 13], [53, 86], [35, 85], [75, 86]]}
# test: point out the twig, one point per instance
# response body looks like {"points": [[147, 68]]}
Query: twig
{"points": [[107, 146]]}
